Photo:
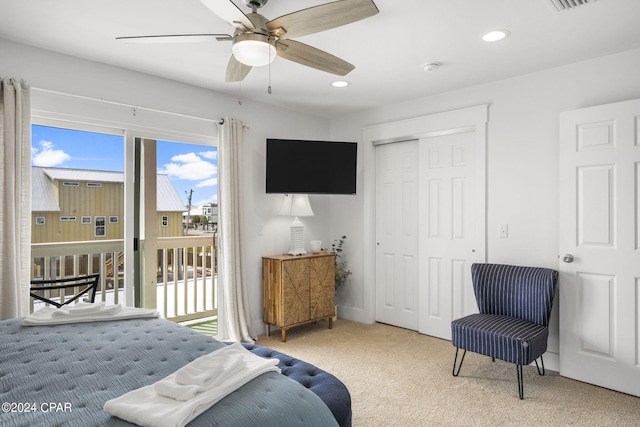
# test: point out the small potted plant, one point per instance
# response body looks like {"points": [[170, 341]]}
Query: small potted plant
{"points": [[342, 272]]}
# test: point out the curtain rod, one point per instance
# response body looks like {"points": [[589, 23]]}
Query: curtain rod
{"points": [[243, 124], [133, 107]]}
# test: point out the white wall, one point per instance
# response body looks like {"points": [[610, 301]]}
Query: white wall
{"points": [[266, 233], [522, 160], [522, 151]]}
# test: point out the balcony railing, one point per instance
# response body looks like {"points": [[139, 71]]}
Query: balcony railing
{"points": [[187, 272]]}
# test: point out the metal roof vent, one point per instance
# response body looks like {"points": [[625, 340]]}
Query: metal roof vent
{"points": [[562, 5]]}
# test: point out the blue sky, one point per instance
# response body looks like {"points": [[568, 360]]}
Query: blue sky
{"points": [[188, 166]]}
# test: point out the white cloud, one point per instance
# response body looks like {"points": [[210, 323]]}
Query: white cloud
{"points": [[186, 158], [190, 166], [47, 156], [208, 183], [209, 154]]}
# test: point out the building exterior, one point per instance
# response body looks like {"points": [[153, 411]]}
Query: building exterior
{"points": [[70, 205], [210, 211]]}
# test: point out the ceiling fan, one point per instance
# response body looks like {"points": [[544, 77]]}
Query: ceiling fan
{"points": [[257, 41]]}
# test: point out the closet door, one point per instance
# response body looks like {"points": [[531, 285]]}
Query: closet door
{"points": [[425, 232], [397, 234], [425, 218], [447, 231]]}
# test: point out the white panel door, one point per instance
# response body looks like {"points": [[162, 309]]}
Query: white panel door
{"points": [[397, 234], [447, 178], [599, 239]]}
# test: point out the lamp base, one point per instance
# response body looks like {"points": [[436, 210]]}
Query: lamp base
{"points": [[297, 242], [296, 253]]}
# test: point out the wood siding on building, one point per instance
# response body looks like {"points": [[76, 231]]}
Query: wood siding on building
{"points": [[106, 200]]}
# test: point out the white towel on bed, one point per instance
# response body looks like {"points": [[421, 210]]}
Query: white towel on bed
{"points": [[209, 370], [199, 376], [99, 313], [86, 308], [145, 407]]}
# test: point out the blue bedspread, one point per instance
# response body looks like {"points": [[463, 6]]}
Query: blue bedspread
{"points": [[62, 376]]}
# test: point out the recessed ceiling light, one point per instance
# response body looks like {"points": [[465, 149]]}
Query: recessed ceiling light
{"points": [[496, 35], [340, 83]]}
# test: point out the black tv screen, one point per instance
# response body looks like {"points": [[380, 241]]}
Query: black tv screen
{"points": [[311, 167]]}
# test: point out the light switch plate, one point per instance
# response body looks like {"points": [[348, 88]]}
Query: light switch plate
{"points": [[503, 230]]}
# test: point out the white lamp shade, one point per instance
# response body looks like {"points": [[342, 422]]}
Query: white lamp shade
{"points": [[296, 205], [254, 50]]}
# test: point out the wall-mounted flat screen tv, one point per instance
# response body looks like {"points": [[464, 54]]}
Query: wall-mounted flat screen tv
{"points": [[311, 167]]}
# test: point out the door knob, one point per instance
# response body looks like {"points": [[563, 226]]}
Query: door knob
{"points": [[568, 258]]}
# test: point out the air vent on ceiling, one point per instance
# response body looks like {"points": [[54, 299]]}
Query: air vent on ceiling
{"points": [[562, 5]]}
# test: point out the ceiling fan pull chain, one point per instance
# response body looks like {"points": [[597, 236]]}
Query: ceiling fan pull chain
{"points": [[240, 93], [269, 88]]}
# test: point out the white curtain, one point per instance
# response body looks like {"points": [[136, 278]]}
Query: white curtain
{"points": [[234, 309], [15, 198]]}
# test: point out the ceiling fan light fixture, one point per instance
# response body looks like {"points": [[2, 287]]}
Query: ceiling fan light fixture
{"points": [[496, 35], [340, 83], [255, 50]]}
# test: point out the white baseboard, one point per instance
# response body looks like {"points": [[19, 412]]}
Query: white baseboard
{"points": [[552, 361], [354, 314]]}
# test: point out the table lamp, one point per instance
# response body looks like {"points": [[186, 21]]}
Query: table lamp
{"points": [[296, 205]]}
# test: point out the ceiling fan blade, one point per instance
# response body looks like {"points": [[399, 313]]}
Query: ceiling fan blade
{"points": [[236, 70], [229, 12], [320, 18], [312, 57], [175, 38]]}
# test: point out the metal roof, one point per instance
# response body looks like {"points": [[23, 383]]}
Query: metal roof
{"points": [[43, 195], [63, 174], [168, 199]]}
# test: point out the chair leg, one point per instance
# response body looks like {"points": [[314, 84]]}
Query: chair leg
{"points": [[520, 382], [456, 372], [542, 361]]}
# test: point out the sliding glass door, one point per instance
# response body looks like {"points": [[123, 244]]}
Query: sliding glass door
{"points": [[77, 207]]}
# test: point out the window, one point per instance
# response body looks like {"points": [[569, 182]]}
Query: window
{"points": [[165, 221], [113, 219], [111, 129], [70, 181], [40, 220], [100, 226]]}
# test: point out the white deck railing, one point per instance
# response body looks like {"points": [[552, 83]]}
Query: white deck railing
{"points": [[186, 272]]}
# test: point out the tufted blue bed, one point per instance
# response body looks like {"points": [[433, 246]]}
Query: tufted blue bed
{"points": [[62, 375]]}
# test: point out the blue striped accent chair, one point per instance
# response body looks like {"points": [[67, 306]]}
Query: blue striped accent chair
{"points": [[515, 305]]}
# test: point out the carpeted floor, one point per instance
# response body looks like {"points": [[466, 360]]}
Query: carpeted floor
{"points": [[398, 377]]}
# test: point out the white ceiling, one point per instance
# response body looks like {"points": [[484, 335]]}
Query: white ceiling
{"points": [[388, 49]]}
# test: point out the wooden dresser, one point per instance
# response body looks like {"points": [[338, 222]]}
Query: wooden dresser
{"points": [[297, 290]]}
